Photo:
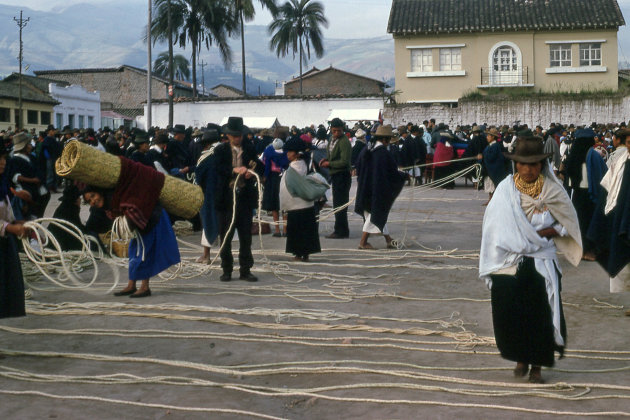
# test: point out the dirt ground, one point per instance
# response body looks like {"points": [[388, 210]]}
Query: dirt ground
{"points": [[384, 334]]}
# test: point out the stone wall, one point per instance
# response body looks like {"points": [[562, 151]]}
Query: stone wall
{"points": [[532, 112]]}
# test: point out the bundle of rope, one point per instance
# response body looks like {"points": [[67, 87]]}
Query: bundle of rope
{"points": [[49, 258]]}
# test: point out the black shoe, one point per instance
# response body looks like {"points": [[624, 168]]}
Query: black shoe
{"points": [[226, 277], [141, 294], [126, 292], [248, 277]]}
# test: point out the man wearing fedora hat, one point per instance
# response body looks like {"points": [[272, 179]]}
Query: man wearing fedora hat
{"points": [[141, 143], [157, 154], [338, 163], [235, 160], [494, 165], [178, 151], [51, 150], [378, 184]]}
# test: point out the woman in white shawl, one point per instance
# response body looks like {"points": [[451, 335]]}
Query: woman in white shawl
{"points": [[528, 219]]}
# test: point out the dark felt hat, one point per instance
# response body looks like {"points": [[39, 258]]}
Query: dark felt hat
{"points": [[161, 138], [179, 129], [210, 136], [528, 150], [141, 137], [106, 129], [337, 123], [234, 126], [294, 145], [321, 133]]}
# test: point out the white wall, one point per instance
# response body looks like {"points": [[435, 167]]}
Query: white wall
{"points": [[298, 112], [77, 101]]}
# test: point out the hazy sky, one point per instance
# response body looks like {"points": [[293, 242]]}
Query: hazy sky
{"points": [[344, 19]]}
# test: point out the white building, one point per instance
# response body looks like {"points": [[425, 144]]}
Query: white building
{"points": [[300, 112], [79, 108]]}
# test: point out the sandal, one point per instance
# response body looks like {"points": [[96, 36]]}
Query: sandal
{"points": [[391, 246], [366, 246]]}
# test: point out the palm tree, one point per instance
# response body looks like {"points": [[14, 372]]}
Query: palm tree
{"points": [[296, 28], [199, 22], [245, 11], [181, 66]]}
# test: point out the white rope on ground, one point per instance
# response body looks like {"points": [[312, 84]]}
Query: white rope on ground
{"points": [[69, 263], [140, 404]]}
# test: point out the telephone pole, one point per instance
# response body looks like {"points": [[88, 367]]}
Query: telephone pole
{"points": [[21, 24], [203, 65]]}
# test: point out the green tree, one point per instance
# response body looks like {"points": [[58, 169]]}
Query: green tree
{"points": [[198, 22], [297, 28], [245, 11], [181, 66]]}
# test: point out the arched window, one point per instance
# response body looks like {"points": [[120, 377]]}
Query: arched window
{"points": [[505, 64]]}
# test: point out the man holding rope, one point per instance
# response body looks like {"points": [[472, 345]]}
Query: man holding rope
{"points": [[237, 197]]}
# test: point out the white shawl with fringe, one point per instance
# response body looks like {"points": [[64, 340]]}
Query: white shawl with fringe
{"points": [[508, 236]]}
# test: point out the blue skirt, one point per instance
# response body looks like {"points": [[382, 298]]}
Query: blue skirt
{"points": [[160, 251]]}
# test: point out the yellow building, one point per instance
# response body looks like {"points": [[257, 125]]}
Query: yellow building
{"points": [[445, 49], [37, 107]]}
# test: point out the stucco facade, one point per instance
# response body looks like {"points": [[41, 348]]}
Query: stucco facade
{"points": [[478, 72], [40, 114], [78, 107]]}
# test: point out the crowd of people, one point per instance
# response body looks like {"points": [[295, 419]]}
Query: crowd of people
{"points": [[563, 187]]}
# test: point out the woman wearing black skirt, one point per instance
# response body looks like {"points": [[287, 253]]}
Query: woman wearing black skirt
{"points": [[302, 234], [11, 282], [529, 218]]}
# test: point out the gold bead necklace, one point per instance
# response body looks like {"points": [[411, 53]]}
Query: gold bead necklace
{"points": [[533, 189]]}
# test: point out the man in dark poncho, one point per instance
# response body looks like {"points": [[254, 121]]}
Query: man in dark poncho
{"points": [[610, 226], [206, 175], [379, 183]]}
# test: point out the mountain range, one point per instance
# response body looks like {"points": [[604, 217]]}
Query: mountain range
{"points": [[99, 36]]}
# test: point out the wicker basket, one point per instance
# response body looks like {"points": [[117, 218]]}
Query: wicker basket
{"points": [[86, 164], [120, 248]]}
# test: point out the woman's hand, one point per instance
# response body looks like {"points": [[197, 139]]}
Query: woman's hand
{"points": [[18, 229], [547, 233]]}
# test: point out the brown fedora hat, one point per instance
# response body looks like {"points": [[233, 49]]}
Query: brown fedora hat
{"points": [[528, 150], [384, 131], [493, 132]]}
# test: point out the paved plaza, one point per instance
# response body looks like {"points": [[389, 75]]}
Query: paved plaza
{"points": [[353, 334]]}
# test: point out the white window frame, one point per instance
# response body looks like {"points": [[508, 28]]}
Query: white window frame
{"points": [[590, 54], [560, 55], [450, 59], [421, 60]]}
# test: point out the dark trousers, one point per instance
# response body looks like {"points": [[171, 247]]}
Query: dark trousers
{"points": [[341, 183], [243, 225]]}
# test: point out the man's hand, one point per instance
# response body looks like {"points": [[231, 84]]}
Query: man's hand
{"points": [[184, 170], [324, 163]]}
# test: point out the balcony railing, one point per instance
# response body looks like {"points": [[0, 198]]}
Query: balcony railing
{"points": [[516, 77]]}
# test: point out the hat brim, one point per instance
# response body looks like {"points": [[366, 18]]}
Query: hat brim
{"points": [[527, 159], [226, 130]]}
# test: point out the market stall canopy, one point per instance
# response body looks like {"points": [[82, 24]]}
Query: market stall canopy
{"points": [[257, 122], [372, 114]]}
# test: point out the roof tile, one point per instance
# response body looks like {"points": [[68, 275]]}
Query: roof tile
{"points": [[443, 16]]}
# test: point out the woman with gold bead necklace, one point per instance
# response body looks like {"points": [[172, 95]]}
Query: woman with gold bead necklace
{"points": [[528, 219]]}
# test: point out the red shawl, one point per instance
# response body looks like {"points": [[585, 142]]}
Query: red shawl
{"points": [[137, 192]]}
